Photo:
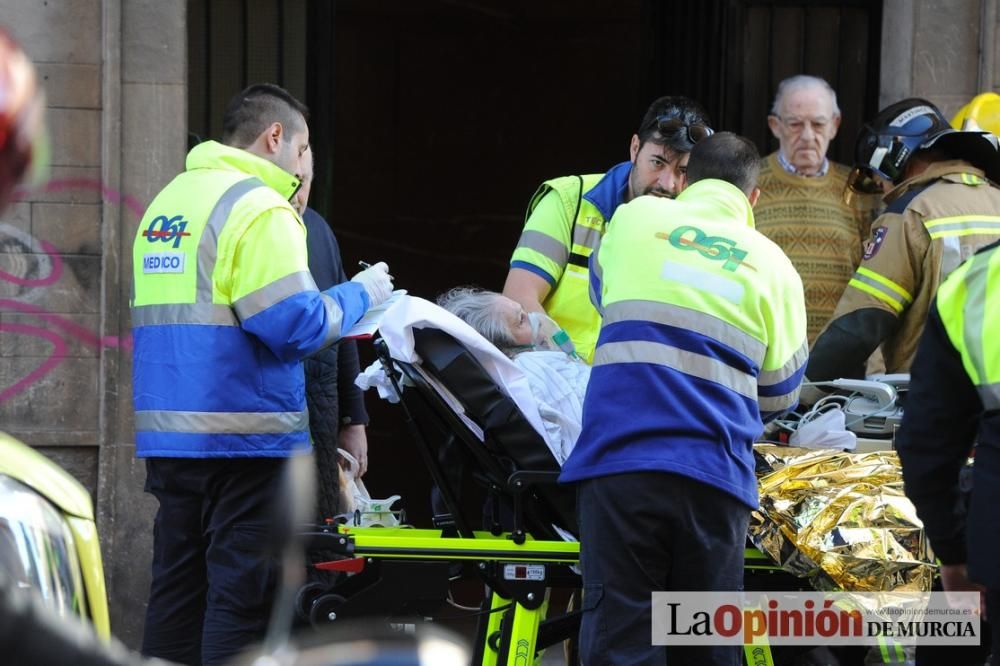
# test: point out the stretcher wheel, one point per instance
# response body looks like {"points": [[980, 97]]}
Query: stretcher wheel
{"points": [[305, 597], [324, 609]]}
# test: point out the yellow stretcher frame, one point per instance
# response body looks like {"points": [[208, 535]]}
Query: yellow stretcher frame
{"points": [[512, 627], [511, 631]]}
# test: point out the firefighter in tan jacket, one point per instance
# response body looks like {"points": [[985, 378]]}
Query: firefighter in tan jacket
{"points": [[941, 208]]}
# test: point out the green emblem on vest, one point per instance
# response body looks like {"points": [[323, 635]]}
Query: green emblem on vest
{"points": [[716, 248]]}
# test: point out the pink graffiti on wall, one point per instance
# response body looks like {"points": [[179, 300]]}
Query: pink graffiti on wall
{"points": [[51, 327]]}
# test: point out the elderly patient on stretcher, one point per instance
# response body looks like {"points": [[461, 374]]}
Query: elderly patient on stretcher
{"points": [[537, 345]]}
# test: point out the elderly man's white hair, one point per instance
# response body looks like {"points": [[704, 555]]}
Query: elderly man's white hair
{"points": [[479, 309], [802, 82]]}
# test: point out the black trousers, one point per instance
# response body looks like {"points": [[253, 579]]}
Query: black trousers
{"points": [[214, 573], [649, 532]]}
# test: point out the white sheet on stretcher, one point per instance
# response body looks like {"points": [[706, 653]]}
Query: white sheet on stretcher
{"points": [[412, 312]]}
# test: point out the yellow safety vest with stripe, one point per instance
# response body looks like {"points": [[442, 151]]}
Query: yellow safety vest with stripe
{"points": [[967, 303], [224, 309], [564, 226], [703, 338]]}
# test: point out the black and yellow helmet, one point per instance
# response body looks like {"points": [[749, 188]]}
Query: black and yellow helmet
{"points": [[886, 144]]}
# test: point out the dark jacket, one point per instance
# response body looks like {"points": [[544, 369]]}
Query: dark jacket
{"points": [[943, 418], [331, 396]]}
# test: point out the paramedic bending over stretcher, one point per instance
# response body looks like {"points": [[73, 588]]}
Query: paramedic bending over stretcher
{"points": [[703, 334], [556, 376]]}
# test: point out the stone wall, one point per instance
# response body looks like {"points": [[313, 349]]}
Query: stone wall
{"points": [[942, 50], [114, 74]]}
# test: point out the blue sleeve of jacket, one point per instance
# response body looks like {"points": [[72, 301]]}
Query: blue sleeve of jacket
{"points": [[327, 268], [307, 321], [277, 299]]}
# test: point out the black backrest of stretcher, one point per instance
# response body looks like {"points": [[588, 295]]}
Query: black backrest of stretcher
{"points": [[511, 441]]}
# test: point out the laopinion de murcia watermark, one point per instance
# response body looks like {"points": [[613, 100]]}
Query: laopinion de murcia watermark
{"points": [[809, 618]]}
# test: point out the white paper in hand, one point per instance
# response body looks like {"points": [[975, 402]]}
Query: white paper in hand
{"points": [[367, 325]]}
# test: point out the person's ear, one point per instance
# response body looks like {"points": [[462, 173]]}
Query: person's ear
{"points": [[834, 125], [754, 195], [273, 135], [772, 123], [633, 149]]}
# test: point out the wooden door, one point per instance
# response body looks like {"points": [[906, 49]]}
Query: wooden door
{"points": [[731, 55]]}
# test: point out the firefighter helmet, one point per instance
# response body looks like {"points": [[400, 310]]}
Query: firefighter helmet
{"points": [[885, 146]]}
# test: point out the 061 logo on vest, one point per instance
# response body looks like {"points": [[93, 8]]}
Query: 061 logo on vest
{"points": [[165, 230], [163, 262], [716, 248]]}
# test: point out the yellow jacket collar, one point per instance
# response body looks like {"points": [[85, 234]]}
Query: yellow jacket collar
{"points": [[214, 155], [723, 201]]}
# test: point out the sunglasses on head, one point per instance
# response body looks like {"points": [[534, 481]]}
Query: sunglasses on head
{"points": [[669, 125]]}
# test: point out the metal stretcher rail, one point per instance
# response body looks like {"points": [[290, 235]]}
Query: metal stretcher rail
{"points": [[431, 544]]}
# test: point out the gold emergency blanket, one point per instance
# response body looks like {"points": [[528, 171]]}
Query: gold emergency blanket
{"points": [[840, 520]]}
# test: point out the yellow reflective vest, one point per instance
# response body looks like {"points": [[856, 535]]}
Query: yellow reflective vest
{"points": [[703, 337], [566, 220], [945, 422], [967, 303]]}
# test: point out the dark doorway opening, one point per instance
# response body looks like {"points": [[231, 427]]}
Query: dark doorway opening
{"points": [[434, 121]]}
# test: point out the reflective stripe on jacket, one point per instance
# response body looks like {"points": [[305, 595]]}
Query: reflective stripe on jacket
{"points": [[567, 217], [704, 335], [953, 409], [224, 309], [967, 303], [934, 222]]}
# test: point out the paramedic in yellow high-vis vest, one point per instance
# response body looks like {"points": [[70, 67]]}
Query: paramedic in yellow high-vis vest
{"points": [[568, 216], [703, 339], [223, 312]]}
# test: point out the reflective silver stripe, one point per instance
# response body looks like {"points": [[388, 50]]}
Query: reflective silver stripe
{"points": [[226, 423], [544, 244], [184, 313], [990, 395], [964, 227], [598, 272], [596, 266], [951, 255], [274, 292], [793, 364], [779, 403], [587, 237], [595, 299], [692, 320], [889, 294], [690, 363], [208, 246], [334, 319], [976, 279]]}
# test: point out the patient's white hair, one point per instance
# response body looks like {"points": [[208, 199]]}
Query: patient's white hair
{"points": [[480, 309]]}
